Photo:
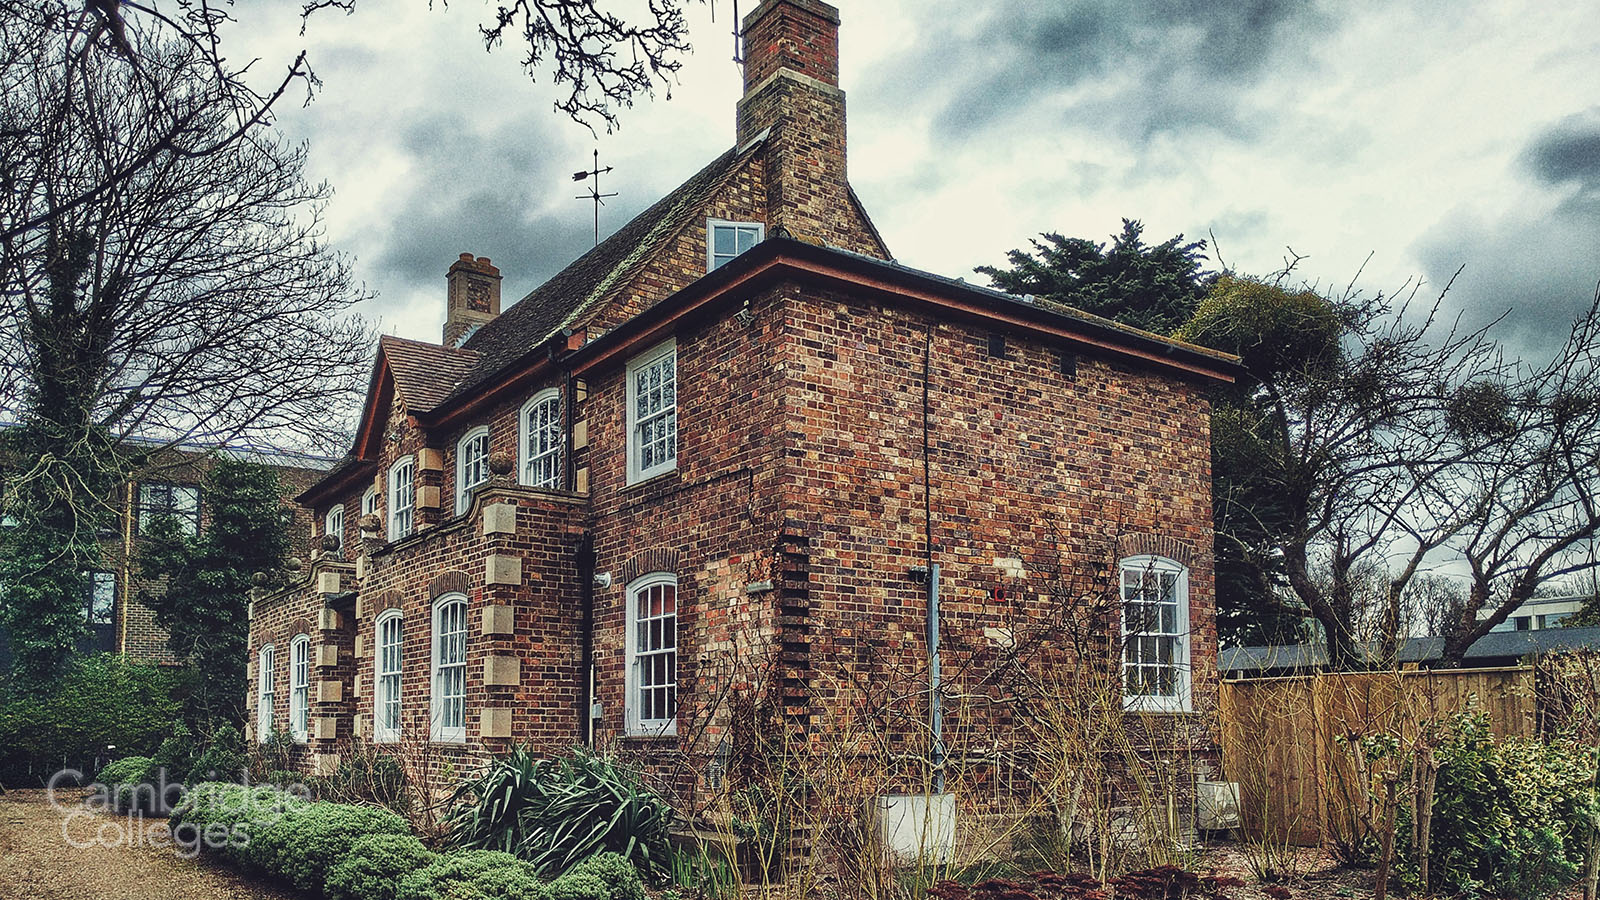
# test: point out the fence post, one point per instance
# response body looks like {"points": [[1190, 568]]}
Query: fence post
{"points": [[1321, 737]]}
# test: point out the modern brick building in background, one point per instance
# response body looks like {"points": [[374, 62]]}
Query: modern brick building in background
{"points": [[736, 430], [168, 483]]}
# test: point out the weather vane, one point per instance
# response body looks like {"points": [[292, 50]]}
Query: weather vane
{"points": [[594, 194]]}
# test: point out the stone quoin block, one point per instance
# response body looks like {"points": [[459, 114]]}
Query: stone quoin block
{"points": [[502, 671], [361, 646], [325, 728], [327, 655], [500, 518], [430, 459], [330, 690], [428, 496], [495, 723], [329, 619], [498, 621], [325, 764], [501, 569]]}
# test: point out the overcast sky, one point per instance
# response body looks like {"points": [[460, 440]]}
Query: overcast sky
{"points": [[1430, 134]]}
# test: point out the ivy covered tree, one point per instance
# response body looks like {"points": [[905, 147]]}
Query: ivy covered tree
{"points": [[1152, 288], [208, 577]]}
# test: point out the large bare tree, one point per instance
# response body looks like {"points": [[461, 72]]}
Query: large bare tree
{"points": [[1530, 500], [602, 61], [1386, 446], [162, 276]]}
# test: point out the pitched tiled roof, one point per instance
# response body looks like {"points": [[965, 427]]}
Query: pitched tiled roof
{"points": [[591, 278], [425, 374]]}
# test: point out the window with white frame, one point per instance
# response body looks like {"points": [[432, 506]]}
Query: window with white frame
{"points": [[333, 523], [386, 705], [300, 688], [180, 501], [449, 712], [1155, 633], [653, 412], [652, 647], [369, 502], [401, 498], [472, 465], [266, 691], [541, 441], [725, 240]]}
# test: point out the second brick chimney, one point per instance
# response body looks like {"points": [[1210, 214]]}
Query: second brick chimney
{"points": [[472, 297], [791, 83]]}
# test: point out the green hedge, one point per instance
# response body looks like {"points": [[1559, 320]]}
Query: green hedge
{"points": [[103, 702], [301, 846], [373, 867], [226, 819], [366, 853], [473, 875]]}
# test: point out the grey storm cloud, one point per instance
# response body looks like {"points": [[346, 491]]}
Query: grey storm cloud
{"points": [[1150, 67], [1539, 265], [1569, 153], [480, 190]]}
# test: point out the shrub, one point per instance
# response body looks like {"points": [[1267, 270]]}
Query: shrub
{"points": [[613, 869], [556, 812], [101, 702], [300, 846], [223, 759], [374, 866], [176, 754], [124, 783], [473, 875], [579, 886], [1510, 817], [228, 818]]}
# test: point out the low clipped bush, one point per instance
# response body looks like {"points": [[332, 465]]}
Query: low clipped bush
{"points": [[473, 875], [320, 835], [303, 844], [613, 870], [227, 819], [124, 783], [579, 886], [374, 865]]}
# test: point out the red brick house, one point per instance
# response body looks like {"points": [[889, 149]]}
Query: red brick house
{"points": [[735, 429]]}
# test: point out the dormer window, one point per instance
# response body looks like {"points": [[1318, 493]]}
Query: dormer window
{"points": [[725, 240]]}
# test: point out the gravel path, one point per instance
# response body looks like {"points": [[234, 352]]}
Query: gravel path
{"points": [[71, 853]]}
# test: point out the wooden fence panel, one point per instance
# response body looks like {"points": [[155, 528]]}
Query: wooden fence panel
{"points": [[1285, 740]]}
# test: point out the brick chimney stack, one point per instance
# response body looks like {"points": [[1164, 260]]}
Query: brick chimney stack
{"points": [[472, 297], [791, 90]]}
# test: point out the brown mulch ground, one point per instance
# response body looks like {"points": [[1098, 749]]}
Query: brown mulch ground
{"points": [[71, 853]]}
